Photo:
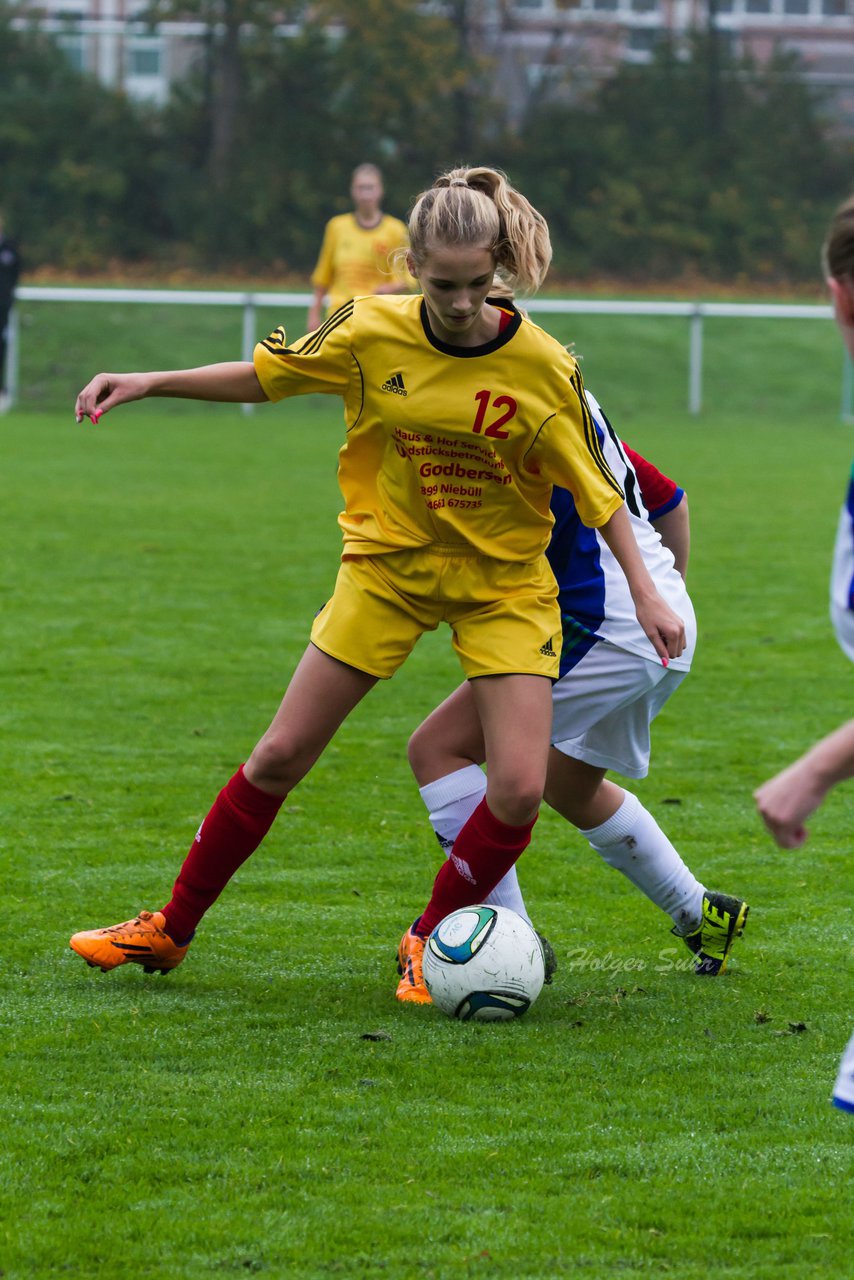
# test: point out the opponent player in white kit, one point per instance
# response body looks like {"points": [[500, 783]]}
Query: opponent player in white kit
{"points": [[785, 802], [612, 685]]}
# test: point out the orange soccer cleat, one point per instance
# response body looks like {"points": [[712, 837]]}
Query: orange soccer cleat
{"points": [[410, 953], [143, 940]]}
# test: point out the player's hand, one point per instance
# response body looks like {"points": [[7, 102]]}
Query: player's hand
{"points": [[785, 802], [664, 628], [106, 390]]}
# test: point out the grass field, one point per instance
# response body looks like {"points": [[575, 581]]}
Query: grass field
{"points": [[159, 575]]}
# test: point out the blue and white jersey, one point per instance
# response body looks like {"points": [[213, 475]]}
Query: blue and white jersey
{"points": [[594, 596], [842, 576]]}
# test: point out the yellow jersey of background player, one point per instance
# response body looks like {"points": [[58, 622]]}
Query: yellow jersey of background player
{"points": [[359, 250], [355, 260], [447, 445]]}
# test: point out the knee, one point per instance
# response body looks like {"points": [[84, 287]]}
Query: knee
{"points": [[420, 753], [517, 802], [276, 764]]}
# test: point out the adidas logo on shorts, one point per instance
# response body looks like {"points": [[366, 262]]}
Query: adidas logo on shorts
{"points": [[395, 385], [547, 651]]}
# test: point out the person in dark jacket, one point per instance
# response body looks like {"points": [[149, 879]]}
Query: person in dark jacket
{"points": [[10, 268]]}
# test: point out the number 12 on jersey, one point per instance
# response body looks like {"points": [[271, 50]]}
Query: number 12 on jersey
{"points": [[503, 406]]}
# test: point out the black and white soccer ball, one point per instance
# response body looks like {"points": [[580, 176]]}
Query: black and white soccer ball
{"points": [[483, 964]]}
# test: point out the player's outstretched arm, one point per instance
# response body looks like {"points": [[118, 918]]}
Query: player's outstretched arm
{"points": [[786, 801], [234, 382], [664, 628]]}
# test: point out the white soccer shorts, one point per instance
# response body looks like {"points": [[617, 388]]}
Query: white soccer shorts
{"points": [[603, 707], [843, 1090]]}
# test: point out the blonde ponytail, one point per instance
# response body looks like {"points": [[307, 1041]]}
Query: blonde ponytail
{"points": [[479, 208]]}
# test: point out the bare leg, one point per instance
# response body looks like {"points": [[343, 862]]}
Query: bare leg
{"points": [[580, 792], [516, 714], [320, 696], [450, 738], [446, 749], [625, 836]]}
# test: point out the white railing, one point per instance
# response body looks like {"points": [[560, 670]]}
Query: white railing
{"points": [[695, 312]]}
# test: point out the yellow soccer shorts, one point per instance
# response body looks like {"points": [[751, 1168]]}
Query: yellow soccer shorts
{"points": [[504, 616]]}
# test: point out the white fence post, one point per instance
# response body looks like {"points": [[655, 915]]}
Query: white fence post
{"points": [[249, 336], [13, 362], [695, 361]]}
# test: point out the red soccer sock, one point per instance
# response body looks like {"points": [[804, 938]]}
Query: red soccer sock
{"points": [[241, 816], [483, 853]]}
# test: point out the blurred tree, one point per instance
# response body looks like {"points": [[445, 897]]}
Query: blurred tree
{"points": [[197, 159], [200, 163], [400, 69], [73, 159], [357, 80], [638, 181], [230, 24]]}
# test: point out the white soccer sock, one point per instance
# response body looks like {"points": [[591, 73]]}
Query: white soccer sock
{"points": [[633, 842], [450, 802]]}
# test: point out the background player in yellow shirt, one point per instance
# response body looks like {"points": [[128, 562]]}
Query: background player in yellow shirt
{"points": [[461, 415], [359, 254]]}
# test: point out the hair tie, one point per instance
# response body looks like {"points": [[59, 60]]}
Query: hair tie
{"points": [[458, 182]]}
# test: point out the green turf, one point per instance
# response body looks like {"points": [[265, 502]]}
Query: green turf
{"points": [[159, 575]]}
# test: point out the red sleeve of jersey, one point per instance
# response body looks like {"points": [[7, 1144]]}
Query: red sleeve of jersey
{"points": [[657, 489]]}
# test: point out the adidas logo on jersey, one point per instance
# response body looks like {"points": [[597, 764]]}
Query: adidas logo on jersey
{"points": [[395, 385], [547, 651]]}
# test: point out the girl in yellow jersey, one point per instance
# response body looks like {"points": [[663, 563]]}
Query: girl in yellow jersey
{"points": [[359, 250], [460, 416]]}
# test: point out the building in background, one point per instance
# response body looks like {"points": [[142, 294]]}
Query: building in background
{"points": [[108, 39], [540, 47], [113, 40], [551, 46]]}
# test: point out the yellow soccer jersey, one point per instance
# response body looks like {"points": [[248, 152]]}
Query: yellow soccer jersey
{"points": [[354, 260], [447, 445]]}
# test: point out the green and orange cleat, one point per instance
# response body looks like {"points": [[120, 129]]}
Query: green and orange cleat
{"points": [[143, 940], [410, 954]]}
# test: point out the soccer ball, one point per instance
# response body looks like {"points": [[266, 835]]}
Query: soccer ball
{"points": [[483, 964]]}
